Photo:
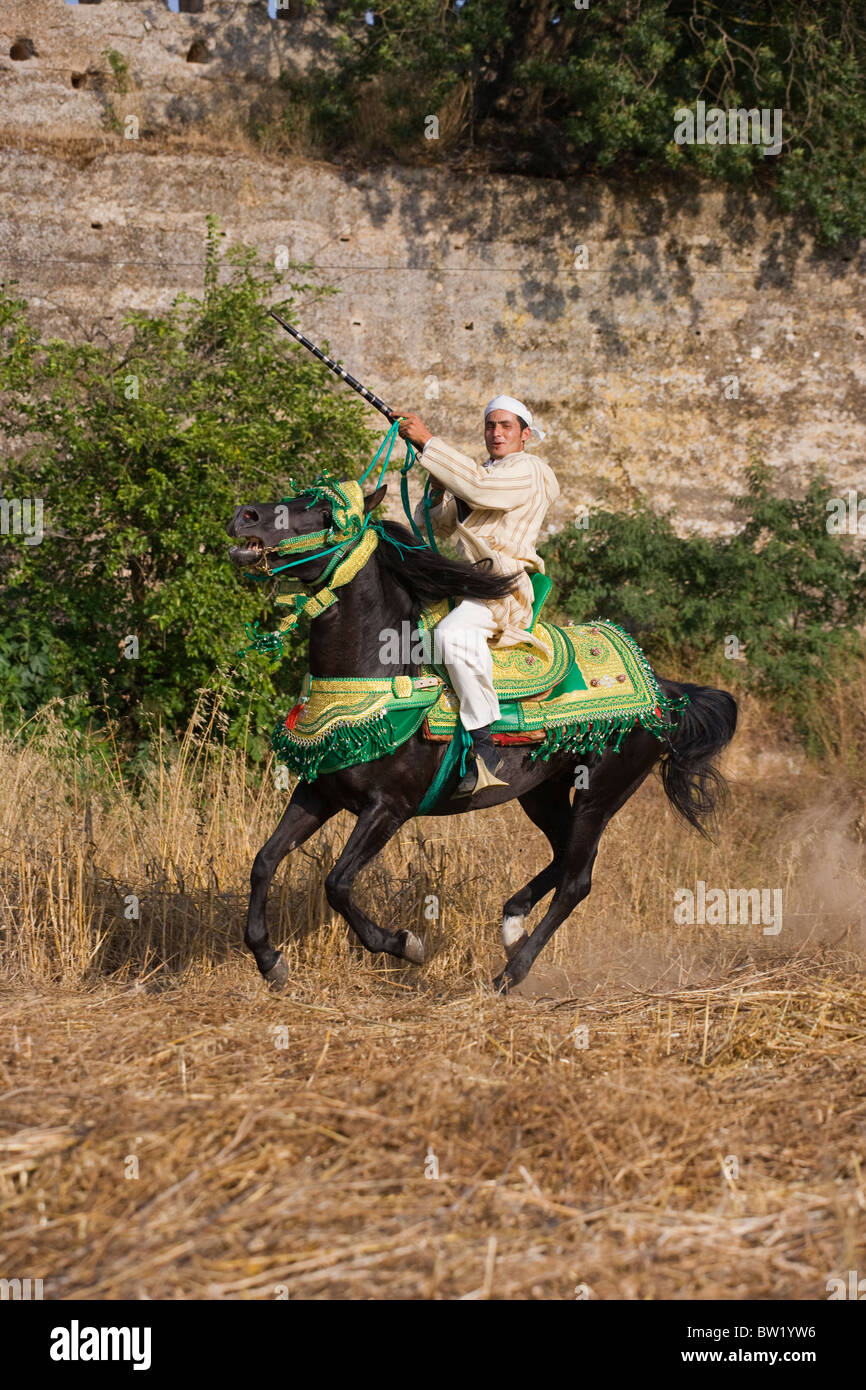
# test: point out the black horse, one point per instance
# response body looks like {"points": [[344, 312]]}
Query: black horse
{"points": [[391, 588]]}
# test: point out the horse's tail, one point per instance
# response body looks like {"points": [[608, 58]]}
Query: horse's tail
{"points": [[694, 787]]}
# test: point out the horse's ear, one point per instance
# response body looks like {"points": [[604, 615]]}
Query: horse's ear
{"points": [[373, 499]]}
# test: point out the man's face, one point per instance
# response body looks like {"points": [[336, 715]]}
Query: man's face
{"points": [[503, 435]]}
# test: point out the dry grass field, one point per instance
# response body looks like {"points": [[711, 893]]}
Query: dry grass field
{"points": [[659, 1112]]}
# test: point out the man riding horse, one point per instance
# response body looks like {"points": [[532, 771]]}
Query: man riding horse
{"points": [[496, 509], [367, 736]]}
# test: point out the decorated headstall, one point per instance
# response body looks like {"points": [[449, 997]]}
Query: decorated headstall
{"points": [[354, 534], [349, 540]]}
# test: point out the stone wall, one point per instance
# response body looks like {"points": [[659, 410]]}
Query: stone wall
{"points": [[185, 71], [654, 331]]}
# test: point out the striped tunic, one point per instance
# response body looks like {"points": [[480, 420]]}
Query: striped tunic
{"points": [[508, 502]]}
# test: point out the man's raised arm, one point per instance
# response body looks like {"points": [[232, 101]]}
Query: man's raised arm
{"points": [[498, 489]]}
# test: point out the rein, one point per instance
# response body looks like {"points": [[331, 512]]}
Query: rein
{"points": [[357, 538]]}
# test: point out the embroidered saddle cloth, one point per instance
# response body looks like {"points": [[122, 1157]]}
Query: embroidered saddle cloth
{"points": [[518, 672], [595, 686]]}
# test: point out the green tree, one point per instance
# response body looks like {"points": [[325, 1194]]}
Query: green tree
{"points": [[552, 89], [140, 451]]}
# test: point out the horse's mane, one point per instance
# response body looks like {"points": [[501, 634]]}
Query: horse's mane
{"points": [[428, 576]]}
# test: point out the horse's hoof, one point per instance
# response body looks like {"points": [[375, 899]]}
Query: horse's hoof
{"points": [[502, 984], [413, 950], [513, 935], [278, 976]]}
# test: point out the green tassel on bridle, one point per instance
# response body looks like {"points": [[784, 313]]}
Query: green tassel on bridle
{"points": [[355, 535]]}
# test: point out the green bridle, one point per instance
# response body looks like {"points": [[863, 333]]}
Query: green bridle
{"points": [[354, 534], [353, 543]]}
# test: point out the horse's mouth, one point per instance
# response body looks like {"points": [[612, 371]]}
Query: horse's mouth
{"points": [[249, 553]]}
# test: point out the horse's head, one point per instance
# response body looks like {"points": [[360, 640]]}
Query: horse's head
{"points": [[266, 530]]}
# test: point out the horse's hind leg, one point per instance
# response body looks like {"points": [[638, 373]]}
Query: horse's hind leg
{"points": [[549, 808], [375, 826], [305, 813], [611, 784], [574, 884]]}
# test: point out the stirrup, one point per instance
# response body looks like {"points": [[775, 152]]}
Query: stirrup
{"points": [[483, 778]]}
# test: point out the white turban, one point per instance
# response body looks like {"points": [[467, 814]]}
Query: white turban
{"points": [[517, 408]]}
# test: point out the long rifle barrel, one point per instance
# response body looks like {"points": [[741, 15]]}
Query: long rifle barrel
{"points": [[335, 367]]}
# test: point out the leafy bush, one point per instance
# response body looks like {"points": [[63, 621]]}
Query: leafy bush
{"points": [[141, 450], [789, 591]]}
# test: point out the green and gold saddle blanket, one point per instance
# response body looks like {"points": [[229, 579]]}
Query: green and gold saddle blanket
{"points": [[519, 673], [593, 689]]}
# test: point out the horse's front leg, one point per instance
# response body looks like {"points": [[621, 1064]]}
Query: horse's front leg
{"points": [[305, 813], [375, 826]]}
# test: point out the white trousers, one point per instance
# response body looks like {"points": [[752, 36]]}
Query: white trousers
{"points": [[462, 637]]}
